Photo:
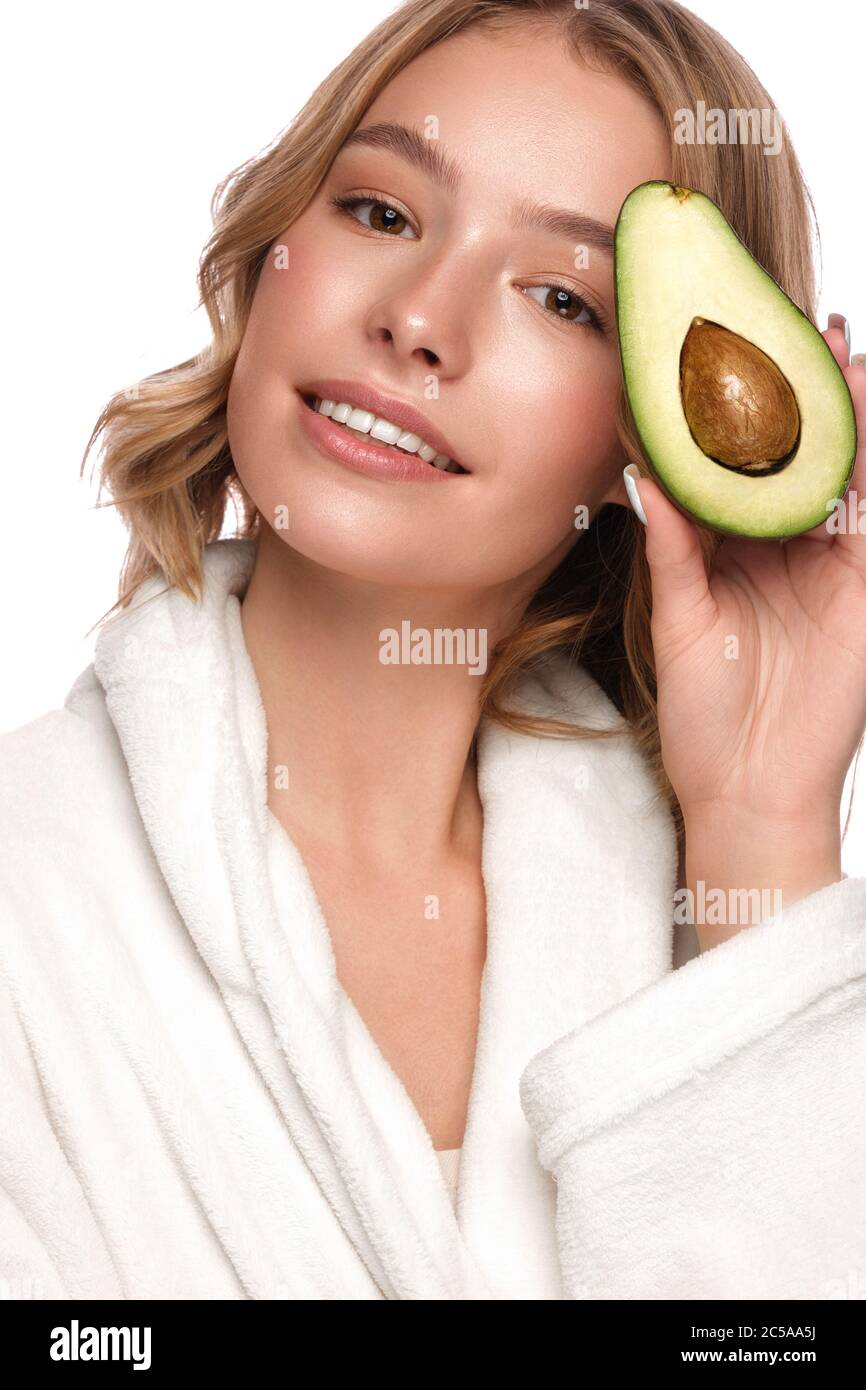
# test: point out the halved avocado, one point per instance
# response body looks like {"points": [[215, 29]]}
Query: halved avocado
{"points": [[744, 415]]}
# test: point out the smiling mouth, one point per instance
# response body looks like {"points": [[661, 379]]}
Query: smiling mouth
{"points": [[414, 445]]}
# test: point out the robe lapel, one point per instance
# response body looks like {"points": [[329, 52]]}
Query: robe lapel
{"points": [[579, 871], [579, 864]]}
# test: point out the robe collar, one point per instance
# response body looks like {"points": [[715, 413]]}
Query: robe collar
{"points": [[579, 869]]}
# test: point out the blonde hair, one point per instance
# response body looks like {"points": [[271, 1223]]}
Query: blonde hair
{"points": [[166, 459]]}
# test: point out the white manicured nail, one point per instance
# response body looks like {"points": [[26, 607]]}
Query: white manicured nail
{"points": [[840, 321], [629, 473]]}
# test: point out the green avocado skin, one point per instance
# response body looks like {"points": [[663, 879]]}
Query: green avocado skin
{"points": [[642, 205]]}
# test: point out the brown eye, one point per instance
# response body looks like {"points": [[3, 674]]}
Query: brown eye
{"points": [[387, 219], [383, 217], [565, 304]]}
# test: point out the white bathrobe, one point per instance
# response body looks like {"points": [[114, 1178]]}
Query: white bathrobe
{"points": [[191, 1106]]}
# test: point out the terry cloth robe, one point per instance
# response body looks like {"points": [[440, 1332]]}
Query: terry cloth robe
{"points": [[192, 1107]]}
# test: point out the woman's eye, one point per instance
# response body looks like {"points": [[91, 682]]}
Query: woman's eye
{"points": [[386, 219], [383, 217], [565, 304]]}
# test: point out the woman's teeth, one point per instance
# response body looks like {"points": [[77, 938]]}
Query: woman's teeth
{"points": [[365, 425]]}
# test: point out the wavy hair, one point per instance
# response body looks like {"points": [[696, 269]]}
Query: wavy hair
{"points": [[166, 462]]}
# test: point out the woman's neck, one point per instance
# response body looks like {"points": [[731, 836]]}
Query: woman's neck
{"points": [[372, 758]]}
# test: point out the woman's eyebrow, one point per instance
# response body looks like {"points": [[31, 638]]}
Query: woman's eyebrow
{"points": [[431, 159]]}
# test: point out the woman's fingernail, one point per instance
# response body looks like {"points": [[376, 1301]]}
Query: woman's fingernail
{"points": [[840, 321], [859, 359], [629, 473]]}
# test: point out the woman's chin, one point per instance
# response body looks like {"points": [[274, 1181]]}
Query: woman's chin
{"points": [[389, 560]]}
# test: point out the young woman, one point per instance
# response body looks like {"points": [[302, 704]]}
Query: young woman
{"points": [[300, 902]]}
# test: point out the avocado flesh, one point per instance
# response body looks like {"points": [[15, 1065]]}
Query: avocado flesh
{"points": [[678, 262]]}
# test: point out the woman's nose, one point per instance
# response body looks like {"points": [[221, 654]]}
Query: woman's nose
{"points": [[425, 318]]}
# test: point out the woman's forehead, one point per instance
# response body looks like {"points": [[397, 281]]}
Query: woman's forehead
{"points": [[530, 111]]}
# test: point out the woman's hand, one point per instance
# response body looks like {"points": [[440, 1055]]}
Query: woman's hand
{"points": [[761, 683]]}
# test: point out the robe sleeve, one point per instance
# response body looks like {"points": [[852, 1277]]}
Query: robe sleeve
{"points": [[707, 1135]]}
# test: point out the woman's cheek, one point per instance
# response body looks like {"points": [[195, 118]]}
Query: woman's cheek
{"points": [[307, 279], [579, 444], [535, 507]]}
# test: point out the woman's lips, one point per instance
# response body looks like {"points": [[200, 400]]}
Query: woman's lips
{"points": [[376, 460]]}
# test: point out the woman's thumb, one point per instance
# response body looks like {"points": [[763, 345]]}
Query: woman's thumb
{"points": [[673, 551]]}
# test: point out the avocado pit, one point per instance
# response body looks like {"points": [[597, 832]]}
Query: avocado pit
{"points": [[740, 408]]}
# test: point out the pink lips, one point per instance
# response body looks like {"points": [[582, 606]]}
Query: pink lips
{"points": [[375, 460], [398, 412]]}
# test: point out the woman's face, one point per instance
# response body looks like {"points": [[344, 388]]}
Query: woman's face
{"points": [[436, 292]]}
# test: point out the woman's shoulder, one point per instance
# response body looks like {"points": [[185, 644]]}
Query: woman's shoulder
{"points": [[64, 790], [53, 762]]}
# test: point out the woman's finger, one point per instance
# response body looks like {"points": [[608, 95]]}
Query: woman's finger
{"points": [[836, 338], [849, 537], [676, 563]]}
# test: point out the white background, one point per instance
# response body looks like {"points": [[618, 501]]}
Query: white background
{"points": [[118, 122]]}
